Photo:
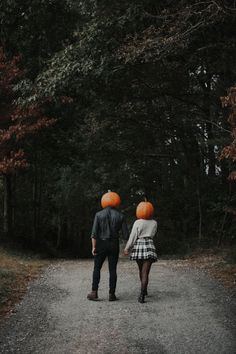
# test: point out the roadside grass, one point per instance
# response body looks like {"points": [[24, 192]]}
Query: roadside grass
{"points": [[221, 264], [16, 271]]}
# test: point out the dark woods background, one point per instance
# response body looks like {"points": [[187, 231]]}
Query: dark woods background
{"points": [[121, 95]]}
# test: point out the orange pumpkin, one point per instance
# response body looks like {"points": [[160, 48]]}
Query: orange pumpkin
{"points": [[111, 199], [145, 210]]}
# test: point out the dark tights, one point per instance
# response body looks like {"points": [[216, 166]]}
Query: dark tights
{"points": [[144, 269]]}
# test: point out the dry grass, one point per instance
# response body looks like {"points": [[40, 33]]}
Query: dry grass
{"points": [[217, 264], [16, 270]]}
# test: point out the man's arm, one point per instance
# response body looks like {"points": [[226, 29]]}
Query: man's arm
{"points": [[124, 229], [94, 234], [94, 242]]}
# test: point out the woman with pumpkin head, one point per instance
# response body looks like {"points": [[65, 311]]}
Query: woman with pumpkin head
{"points": [[105, 242], [141, 244]]}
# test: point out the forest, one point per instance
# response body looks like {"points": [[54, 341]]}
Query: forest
{"points": [[136, 97]]}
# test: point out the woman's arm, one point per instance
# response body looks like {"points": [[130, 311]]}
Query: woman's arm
{"points": [[132, 238], [155, 230]]}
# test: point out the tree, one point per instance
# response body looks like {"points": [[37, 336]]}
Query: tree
{"points": [[229, 151], [17, 124], [145, 78]]}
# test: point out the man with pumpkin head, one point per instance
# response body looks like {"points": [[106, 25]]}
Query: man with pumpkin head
{"points": [[105, 242]]}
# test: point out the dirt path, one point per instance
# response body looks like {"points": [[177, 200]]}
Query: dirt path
{"points": [[186, 312]]}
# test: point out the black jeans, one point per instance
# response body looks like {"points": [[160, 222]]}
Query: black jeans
{"points": [[109, 249]]}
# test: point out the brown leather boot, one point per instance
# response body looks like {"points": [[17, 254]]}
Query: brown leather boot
{"points": [[93, 295]]}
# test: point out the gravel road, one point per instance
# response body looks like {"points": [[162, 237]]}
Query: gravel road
{"points": [[186, 312]]}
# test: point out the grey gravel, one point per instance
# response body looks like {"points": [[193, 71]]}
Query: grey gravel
{"points": [[186, 312]]}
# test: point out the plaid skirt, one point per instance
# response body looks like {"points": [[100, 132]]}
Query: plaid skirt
{"points": [[144, 249]]}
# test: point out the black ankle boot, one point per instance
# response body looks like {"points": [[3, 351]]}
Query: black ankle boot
{"points": [[141, 297], [112, 297]]}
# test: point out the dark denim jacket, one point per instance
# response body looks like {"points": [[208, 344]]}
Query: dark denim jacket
{"points": [[108, 223]]}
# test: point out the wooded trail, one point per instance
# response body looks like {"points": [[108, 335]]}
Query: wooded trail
{"points": [[185, 312]]}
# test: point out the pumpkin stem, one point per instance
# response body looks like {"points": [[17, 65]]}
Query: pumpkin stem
{"points": [[145, 199], [109, 190]]}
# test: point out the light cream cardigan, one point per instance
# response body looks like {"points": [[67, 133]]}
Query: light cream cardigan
{"points": [[141, 228]]}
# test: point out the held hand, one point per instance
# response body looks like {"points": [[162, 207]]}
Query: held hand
{"points": [[94, 252], [126, 252]]}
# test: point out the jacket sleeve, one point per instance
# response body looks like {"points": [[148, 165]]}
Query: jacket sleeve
{"points": [[95, 228], [133, 237], [124, 230]]}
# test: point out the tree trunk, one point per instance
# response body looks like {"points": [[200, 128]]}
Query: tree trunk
{"points": [[40, 195], [35, 197], [211, 152], [7, 209], [13, 201], [58, 231], [200, 217], [210, 113]]}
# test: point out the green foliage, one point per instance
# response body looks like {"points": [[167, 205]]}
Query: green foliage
{"points": [[145, 78]]}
